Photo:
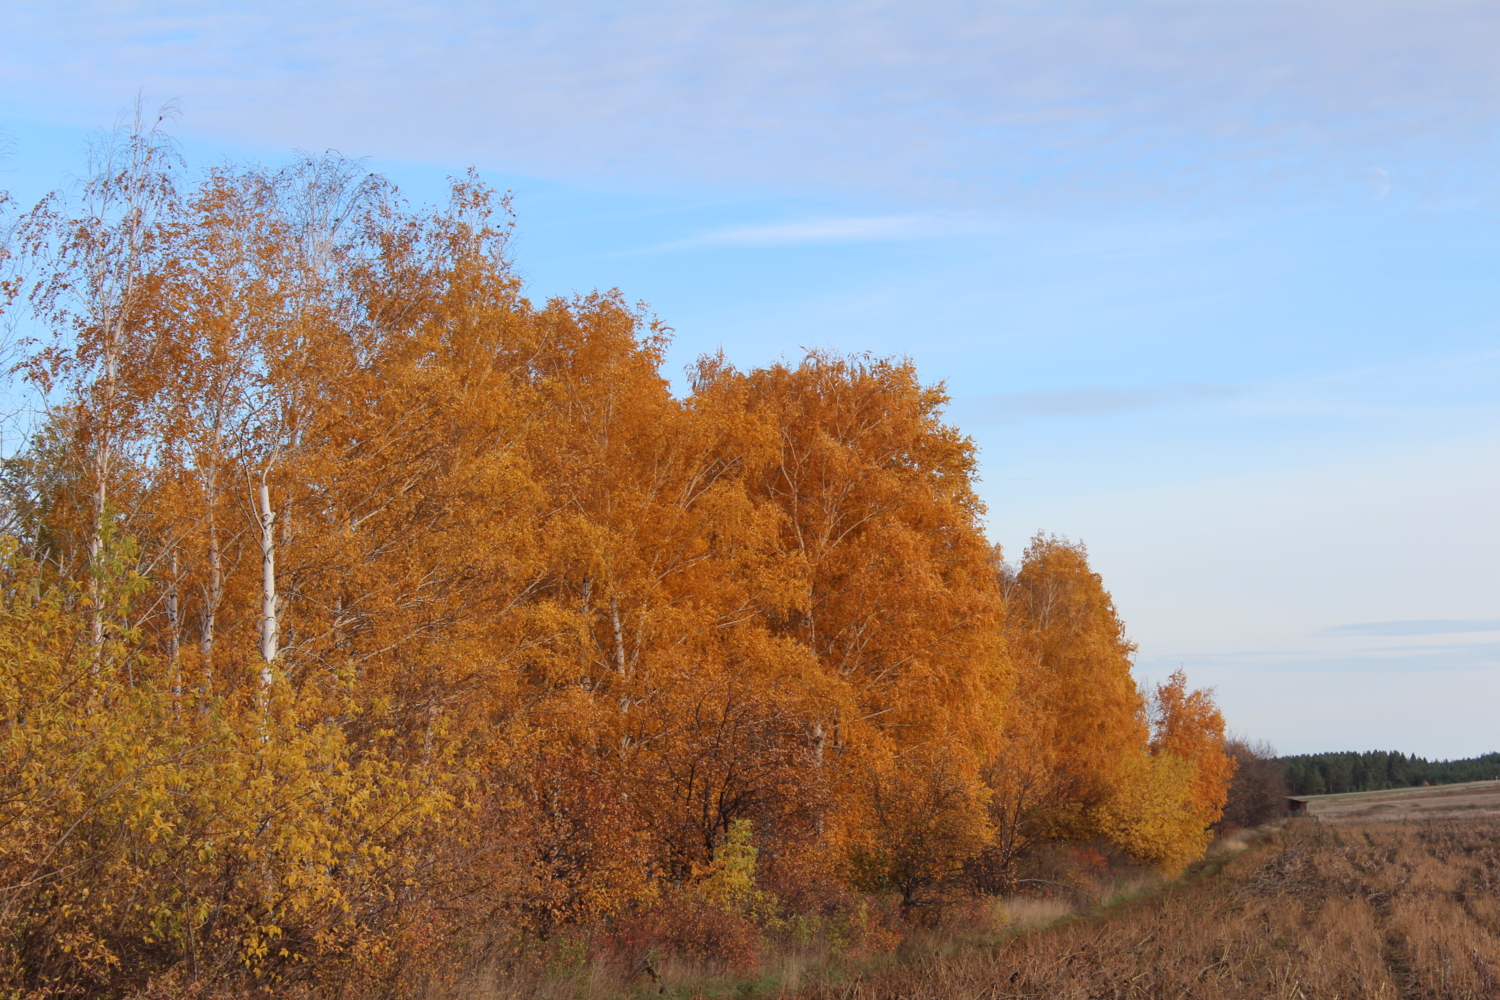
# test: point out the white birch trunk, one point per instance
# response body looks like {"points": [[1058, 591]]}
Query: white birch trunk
{"points": [[215, 589], [101, 465], [96, 596], [614, 614], [208, 625], [174, 634], [268, 623]]}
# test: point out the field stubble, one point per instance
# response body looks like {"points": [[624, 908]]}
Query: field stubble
{"points": [[1314, 910]]}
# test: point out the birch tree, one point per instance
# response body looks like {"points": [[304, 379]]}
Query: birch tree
{"points": [[97, 261], [233, 297], [318, 205]]}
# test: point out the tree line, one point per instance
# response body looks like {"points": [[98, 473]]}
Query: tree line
{"points": [[358, 612], [1375, 770]]}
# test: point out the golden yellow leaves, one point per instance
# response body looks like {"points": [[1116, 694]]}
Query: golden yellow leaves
{"points": [[131, 815]]}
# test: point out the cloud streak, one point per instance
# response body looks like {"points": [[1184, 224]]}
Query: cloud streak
{"points": [[1397, 660], [865, 229], [1013, 407], [1433, 626]]}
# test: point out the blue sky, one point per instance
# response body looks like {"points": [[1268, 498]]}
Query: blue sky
{"points": [[1212, 284]]}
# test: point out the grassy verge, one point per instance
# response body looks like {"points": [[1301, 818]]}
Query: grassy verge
{"points": [[1375, 911], [825, 966]]}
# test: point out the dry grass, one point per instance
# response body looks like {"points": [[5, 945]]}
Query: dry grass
{"points": [[1027, 913], [1399, 911], [1314, 911], [1473, 800]]}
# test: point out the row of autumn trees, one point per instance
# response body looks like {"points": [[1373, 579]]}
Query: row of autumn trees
{"points": [[351, 601]]}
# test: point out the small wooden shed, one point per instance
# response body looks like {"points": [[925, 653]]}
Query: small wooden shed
{"points": [[1295, 807]]}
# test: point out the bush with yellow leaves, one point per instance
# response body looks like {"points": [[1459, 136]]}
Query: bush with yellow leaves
{"points": [[142, 824]]}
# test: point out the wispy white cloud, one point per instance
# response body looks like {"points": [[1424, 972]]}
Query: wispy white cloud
{"points": [[866, 229], [1011, 407], [1429, 658], [1433, 626], [954, 99]]}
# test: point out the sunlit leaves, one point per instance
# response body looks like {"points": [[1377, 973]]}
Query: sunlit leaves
{"points": [[417, 610]]}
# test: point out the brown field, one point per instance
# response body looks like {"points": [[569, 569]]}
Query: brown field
{"points": [[1316, 910], [1474, 798]]}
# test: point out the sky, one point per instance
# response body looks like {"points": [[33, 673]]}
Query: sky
{"points": [[1211, 284]]}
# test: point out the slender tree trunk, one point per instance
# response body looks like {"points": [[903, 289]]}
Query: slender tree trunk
{"points": [[215, 596], [268, 622], [101, 463], [174, 634], [215, 591], [96, 594], [614, 614], [819, 739]]}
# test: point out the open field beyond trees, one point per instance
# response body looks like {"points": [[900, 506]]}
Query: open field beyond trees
{"points": [[1475, 799]]}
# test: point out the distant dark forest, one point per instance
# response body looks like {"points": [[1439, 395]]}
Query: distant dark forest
{"points": [[1328, 773]]}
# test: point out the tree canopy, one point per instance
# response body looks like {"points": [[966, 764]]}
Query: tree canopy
{"points": [[352, 598]]}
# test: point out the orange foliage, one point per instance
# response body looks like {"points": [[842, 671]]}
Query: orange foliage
{"points": [[531, 640], [1188, 725], [1076, 684]]}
